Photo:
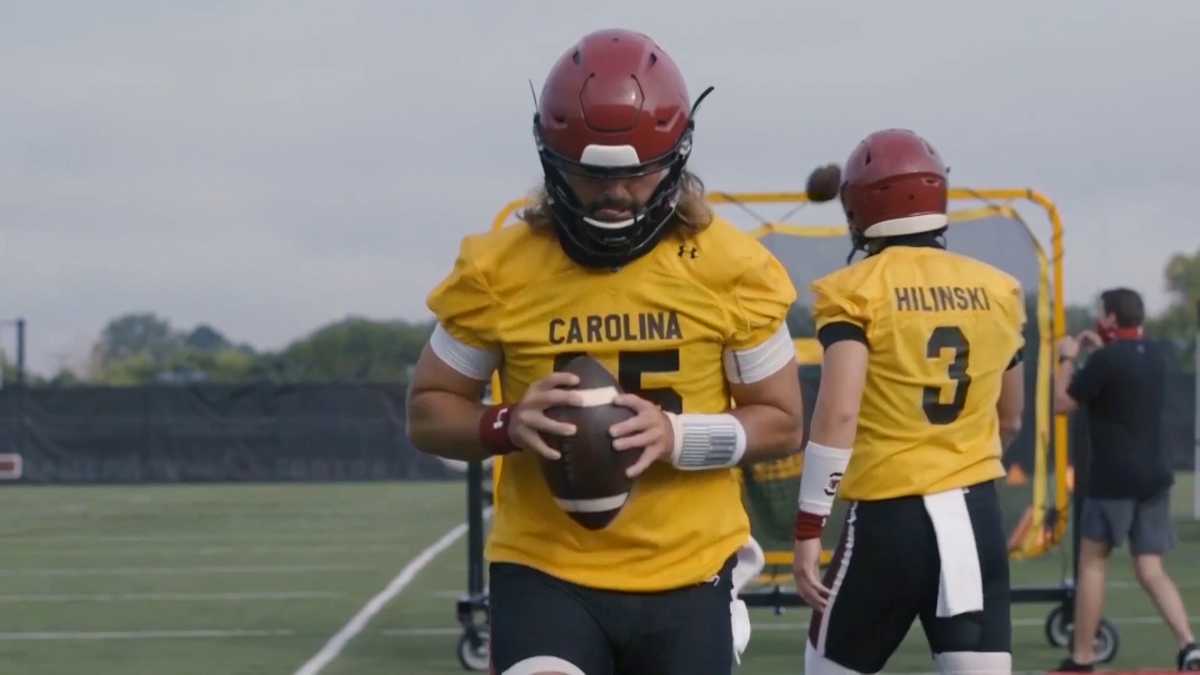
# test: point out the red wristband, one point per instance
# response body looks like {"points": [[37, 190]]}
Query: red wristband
{"points": [[493, 431], [808, 526]]}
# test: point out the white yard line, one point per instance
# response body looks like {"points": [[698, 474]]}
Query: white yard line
{"points": [[420, 631], [139, 597], [180, 549], [323, 536], [158, 571], [360, 620], [147, 634]]}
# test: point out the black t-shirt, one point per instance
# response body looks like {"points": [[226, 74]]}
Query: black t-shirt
{"points": [[1122, 387]]}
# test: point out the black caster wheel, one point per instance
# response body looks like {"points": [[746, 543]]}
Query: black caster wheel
{"points": [[474, 649]]}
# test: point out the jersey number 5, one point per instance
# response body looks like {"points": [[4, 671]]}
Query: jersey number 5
{"points": [[948, 337], [631, 365]]}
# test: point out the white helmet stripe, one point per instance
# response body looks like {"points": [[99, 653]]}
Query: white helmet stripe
{"points": [[610, 155], [907, 225]]}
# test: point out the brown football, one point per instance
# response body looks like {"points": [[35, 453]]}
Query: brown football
{"points": [[824, 183], [589, 481]]}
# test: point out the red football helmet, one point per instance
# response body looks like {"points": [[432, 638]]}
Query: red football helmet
{"points": [[614, 105], [894, 184]]}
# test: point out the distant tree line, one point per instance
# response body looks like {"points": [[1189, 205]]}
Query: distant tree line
{"points": [[143, 348]]}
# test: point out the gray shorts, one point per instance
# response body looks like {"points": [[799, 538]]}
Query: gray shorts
{"points": [[1146, 522]]}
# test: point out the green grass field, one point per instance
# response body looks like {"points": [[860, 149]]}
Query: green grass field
{"points": [[254, 579]]}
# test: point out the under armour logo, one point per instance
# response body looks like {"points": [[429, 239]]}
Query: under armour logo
{"points": [[692, 252], [835, 479], [499, 423]]}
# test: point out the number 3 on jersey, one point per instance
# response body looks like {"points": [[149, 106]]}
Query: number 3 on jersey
{"points": [[630, 367], [948, 337]]}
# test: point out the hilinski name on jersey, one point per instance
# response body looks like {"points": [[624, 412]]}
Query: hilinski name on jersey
{"points": [[941, 299], [592, 328]]}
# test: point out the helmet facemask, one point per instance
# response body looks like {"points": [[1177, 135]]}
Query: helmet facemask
{"points": [[594, 242]]}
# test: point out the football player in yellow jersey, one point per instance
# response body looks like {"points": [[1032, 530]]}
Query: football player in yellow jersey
{"points": [[620, 258], [921, 388]]}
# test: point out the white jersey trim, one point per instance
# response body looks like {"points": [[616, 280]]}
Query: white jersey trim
{"points": [[472, 362], [839, 577], [747, 366]]}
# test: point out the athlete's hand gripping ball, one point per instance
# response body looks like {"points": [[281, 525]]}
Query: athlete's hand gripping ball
{"points": [[529, 419], [649, 428]]}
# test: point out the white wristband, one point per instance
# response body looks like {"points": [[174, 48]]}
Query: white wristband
{"points": [[823, 471], [707, 441]]}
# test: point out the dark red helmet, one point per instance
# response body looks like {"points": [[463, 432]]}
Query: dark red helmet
{"points": [[614, 105], [894, 183]]}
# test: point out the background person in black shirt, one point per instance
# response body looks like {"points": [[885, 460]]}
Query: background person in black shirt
{"points": [[1121, 386]]}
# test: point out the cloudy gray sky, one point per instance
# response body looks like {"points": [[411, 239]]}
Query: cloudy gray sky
{"points": [[268, 167]]}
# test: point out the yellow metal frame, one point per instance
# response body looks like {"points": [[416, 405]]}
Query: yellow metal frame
{"points": [[1051, 317]]}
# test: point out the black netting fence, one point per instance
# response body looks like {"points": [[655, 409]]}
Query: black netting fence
{"points": [[254, 432]]}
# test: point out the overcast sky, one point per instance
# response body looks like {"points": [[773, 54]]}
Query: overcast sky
{"points": [[269, 167]]}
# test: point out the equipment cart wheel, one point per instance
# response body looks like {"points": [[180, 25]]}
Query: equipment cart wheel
{"points": [[1059, 631], [474, 649]]}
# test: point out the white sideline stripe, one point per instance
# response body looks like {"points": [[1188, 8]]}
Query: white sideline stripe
{"points": [[155, 571], [134, 597], [147, 634], [359, 621]]}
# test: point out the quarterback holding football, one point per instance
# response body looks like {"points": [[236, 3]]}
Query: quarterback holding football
{"points": [[618, 258]]}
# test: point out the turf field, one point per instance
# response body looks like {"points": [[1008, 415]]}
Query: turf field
{"points": [[255, 579]]}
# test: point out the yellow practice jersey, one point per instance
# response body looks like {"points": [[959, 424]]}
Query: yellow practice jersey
{"points": [[942, 329], [661, 325]]}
